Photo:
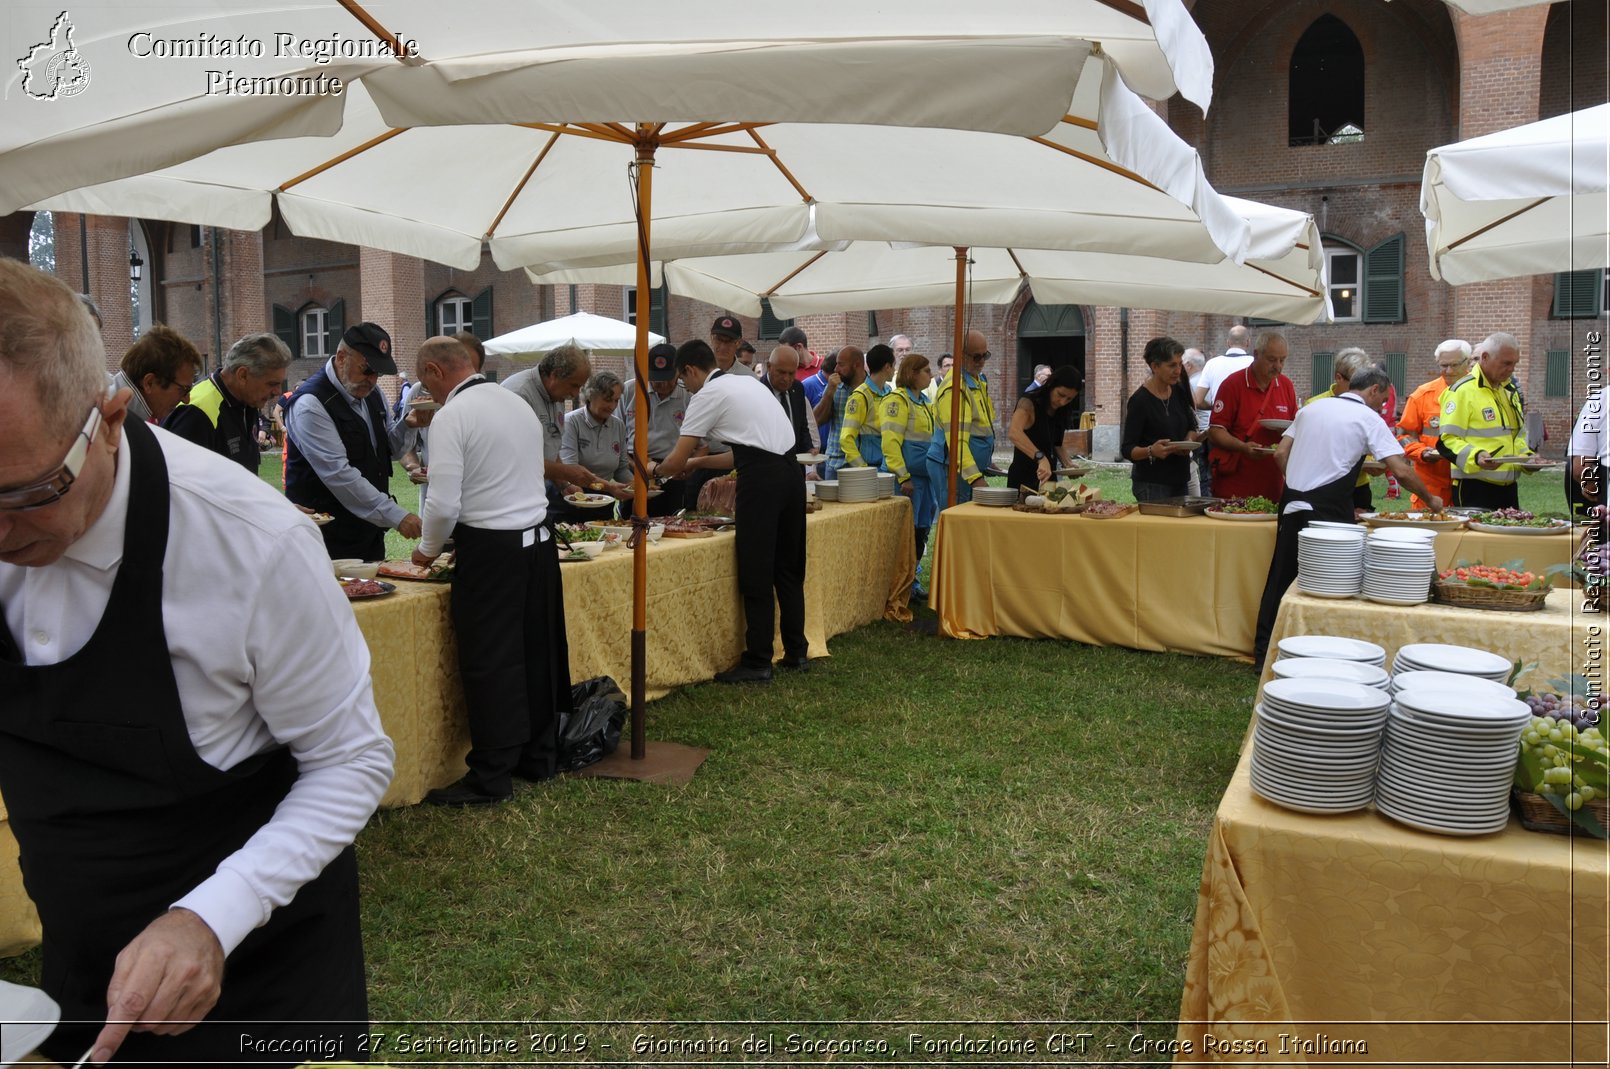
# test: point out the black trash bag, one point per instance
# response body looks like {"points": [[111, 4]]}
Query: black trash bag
{"points": [[592, 729]]}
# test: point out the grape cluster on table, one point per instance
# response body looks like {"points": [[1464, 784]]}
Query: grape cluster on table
{"points": [[1557, 720]]}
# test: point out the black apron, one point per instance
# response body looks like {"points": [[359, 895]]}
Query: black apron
{"points": [[117, 817], [771, 552]]}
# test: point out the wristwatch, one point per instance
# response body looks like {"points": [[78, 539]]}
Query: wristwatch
{"points": [[1039, 455]]}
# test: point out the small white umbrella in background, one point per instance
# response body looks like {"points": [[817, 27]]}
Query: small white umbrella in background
{"points": [[598, 334], [1525, 201]]}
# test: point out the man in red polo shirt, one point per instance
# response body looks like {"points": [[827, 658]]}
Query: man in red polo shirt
{"points": [[1242, 452]]}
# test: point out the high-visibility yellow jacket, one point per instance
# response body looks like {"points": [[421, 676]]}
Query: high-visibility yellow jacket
{"points": [[1478, 417], [978, 417], [904, 422], [859, 436]]}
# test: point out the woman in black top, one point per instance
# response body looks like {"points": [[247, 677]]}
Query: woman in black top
{"points": [[1039, 422], [1160, 416]]}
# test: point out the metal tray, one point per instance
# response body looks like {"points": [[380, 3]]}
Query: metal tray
{"points": [[1179, 506]]}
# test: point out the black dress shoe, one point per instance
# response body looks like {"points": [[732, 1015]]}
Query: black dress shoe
{"points": [[533, 772], [743, 673], [461, 795], [795, 664]]}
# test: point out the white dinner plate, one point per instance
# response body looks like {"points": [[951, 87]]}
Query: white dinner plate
{"points": [[1439, 829], [1458, 706], [1344, 649], [1561, 527], [1324, 694], [1253, 517], [1367, 675], [1445, 680], [30, 1016], [1463, 660], [1274, 424]]}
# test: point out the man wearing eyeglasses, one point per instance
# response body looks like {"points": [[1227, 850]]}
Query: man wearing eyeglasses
{"points": [[1422, 421], [184, 775], [977, 430], [339, 445]]}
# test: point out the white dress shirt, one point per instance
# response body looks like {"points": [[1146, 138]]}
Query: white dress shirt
{"points": [[486, 448], [741, 410], [1329, 436], [1215, 371], [266, 652], [311, 427]]}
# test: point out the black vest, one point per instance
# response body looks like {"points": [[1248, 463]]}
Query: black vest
{"points": [[303, 485]]}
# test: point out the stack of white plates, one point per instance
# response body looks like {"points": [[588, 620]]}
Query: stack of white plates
{"points": [[1399, 564], [1449, 759], [995, 496], [1316, 744], [1487, 688], [1460, 660], [886, 483], [827, 490], [1365, 675], [1330, 562], [1332, 647], [858, 484]]}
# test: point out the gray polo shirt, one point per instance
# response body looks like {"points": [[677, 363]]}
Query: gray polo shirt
{"points": [[598, 447], [664, 419], [551, 413]]}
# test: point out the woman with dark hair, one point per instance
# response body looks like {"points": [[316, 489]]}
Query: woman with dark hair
{"points": [[1161, 416], [1039, 425], [907, 421]]}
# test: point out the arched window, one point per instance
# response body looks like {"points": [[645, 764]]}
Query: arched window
{"points": [[1326, 88]]}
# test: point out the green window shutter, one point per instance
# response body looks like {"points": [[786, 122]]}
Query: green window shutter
{"points": [[335, 325], [285, 329], [1578, 294], [1324, 373], [1397, 369], [1383, 282], [872, 324], [770, 325], [1557, 381], [481, 314], [430, 319], [658, 300]]}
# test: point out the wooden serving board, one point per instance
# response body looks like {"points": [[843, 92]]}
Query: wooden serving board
{"points": [[1125, 511]]}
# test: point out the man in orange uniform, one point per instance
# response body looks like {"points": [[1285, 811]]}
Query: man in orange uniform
{"points": [[1422, 421]]}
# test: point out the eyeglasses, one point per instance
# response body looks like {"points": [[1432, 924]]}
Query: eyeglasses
{"points": [[51, 489], [979, 356]]}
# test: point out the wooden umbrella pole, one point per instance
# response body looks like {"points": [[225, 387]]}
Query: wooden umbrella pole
{"points": [[645, 183], [956, 381]]}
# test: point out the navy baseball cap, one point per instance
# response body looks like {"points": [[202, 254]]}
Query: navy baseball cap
{"points": [[662, 363], [374, 343], [726, 327]]}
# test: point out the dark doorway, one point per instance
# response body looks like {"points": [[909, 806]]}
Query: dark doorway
{"points": [[1050, 334]]}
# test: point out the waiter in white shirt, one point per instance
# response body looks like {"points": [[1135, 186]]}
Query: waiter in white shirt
{"points": [[741, 410], [487, 495], [1321, 455], [188, 740]]}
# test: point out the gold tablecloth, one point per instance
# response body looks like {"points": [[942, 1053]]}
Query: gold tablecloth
{"points": [[1159, 583], [1431, 950], [860, 566]]}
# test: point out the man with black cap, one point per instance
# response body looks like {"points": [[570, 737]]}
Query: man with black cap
{"points": [[339, 446], [771, 503], [725, 338], [667, 403]]}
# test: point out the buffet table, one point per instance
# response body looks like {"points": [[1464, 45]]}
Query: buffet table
{"points": [[1429, 949], [1161, 583], [860, 566]]}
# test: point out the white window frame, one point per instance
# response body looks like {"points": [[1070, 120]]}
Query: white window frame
{"points": [[453, 315], [314, 330], [1333, 253]]}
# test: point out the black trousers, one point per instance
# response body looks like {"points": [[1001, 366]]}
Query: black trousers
{"points": [[509, 613], [1282, 573], [354, 539], [771, 553], [1477, 494]]}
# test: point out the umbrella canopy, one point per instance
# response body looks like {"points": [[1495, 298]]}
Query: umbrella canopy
{"points": [[1525, 201], [561, 194], [128, 88], [1283, 277], [598, 334]]}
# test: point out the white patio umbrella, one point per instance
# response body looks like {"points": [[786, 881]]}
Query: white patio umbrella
{"points": [[1524, 201], [599, 334], [113, 90], [531, 188], [1283, 277]]}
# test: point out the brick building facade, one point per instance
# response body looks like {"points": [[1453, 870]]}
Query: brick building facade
{"points": [[1427, 74]]}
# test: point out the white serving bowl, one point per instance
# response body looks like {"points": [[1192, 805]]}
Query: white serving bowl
{"points": [[592, 549], [352, 568]]}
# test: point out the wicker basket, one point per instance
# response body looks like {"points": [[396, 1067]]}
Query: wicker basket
{"points": [[1487, 597], [1536, 814]]}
